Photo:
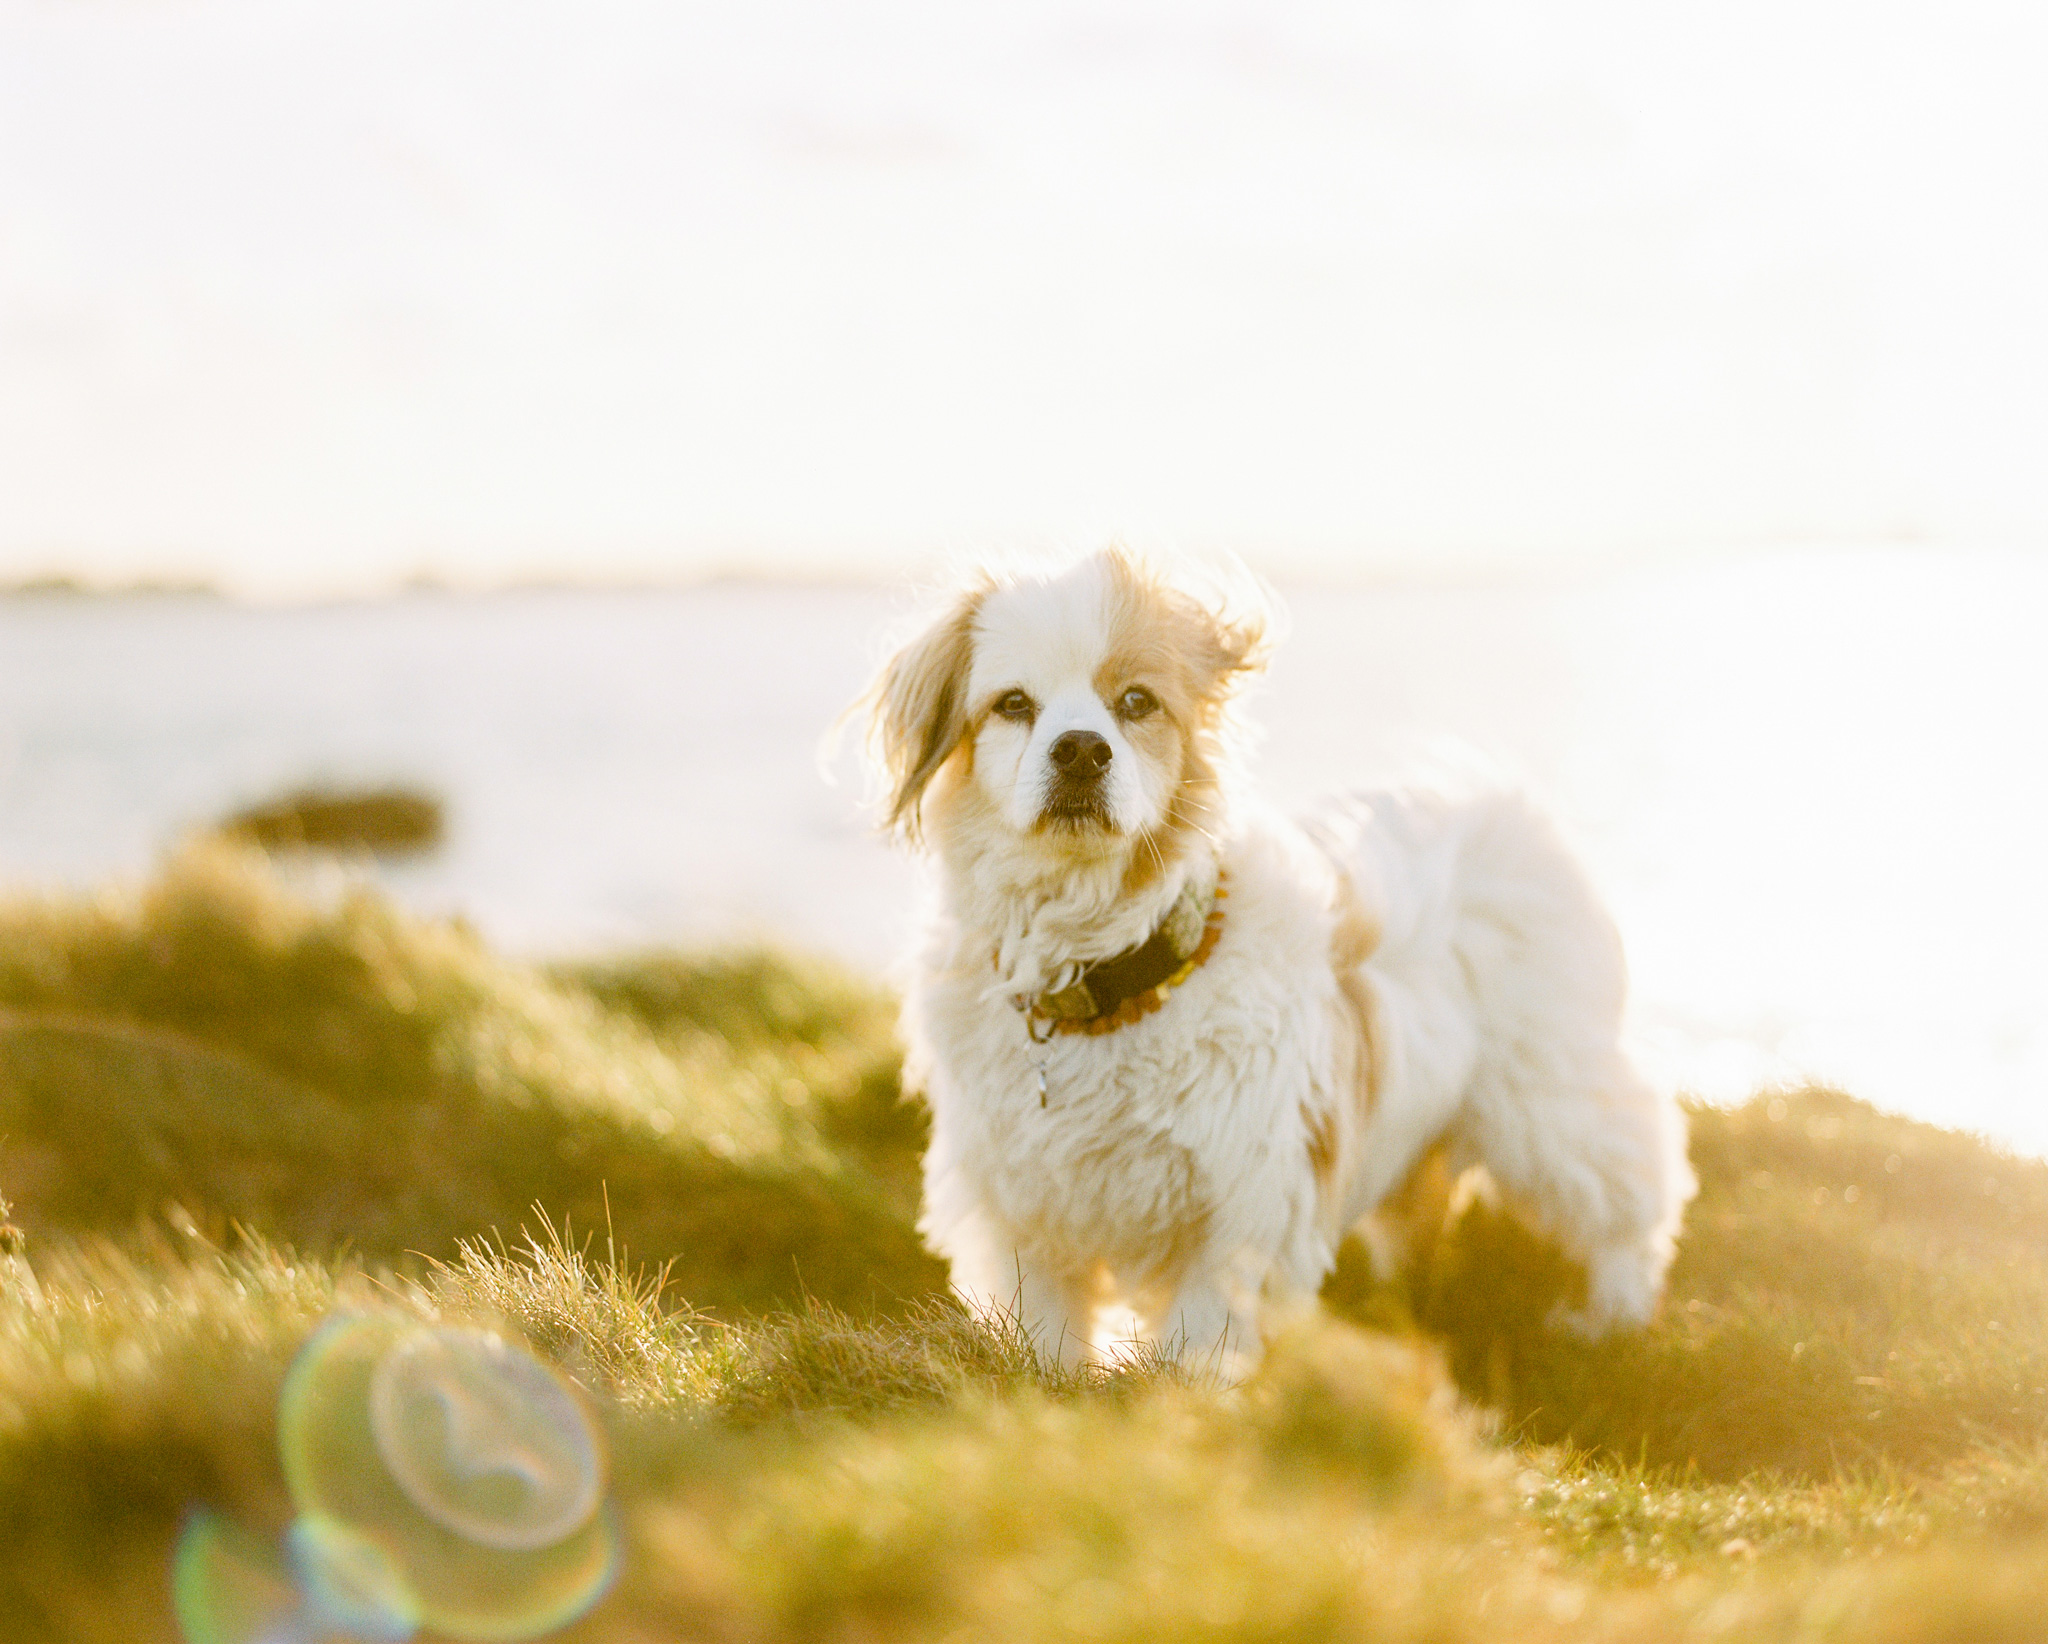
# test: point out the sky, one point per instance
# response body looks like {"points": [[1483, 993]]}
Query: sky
{"points": [[306, 295]]}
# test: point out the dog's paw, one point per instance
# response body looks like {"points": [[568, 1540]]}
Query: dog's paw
{"points": [[1583, 1323], [1622, 1287]]}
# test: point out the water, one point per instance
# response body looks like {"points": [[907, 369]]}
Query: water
{"points": [[1811, 785]]}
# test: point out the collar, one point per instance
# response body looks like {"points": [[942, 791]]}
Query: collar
{"points": [[1114, 992]]}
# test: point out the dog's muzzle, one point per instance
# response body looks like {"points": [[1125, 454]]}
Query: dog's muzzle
{"points": [[1080, 761]]}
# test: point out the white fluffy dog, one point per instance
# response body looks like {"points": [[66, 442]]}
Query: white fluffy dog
{"points": [[1175, 1046]]}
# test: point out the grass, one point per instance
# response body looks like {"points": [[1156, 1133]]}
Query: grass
{"points": [[226, 1110], [389, 821], [1854, 1291], [214, 1049]]}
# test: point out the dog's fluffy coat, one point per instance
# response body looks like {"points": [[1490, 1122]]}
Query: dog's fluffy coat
{"points": [[1401, 970]]}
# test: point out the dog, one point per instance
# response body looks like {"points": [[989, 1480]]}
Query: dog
{"points": [[1175, 1046]]}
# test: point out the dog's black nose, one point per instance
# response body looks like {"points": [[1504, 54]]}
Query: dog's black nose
{"points": [[1081, 753]]}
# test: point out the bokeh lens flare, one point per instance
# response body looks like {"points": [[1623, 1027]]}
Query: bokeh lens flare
{"points": [[349, 1580], [445, 1480], [229, 1586], [485, 1439]]}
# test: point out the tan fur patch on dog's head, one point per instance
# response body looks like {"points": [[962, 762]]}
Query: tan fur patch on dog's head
{"points": [[1174, 639], [1192, 655]]}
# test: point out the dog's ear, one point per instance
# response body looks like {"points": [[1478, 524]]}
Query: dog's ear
{"points": [[917, 709], [1238, 642], [1236, 615]]}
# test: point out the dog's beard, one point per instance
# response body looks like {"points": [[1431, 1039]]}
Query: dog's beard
{"points": [[1075, 807]]}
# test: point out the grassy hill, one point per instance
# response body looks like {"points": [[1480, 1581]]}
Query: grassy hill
{"points": [[331, 1074], [227, 1109]]}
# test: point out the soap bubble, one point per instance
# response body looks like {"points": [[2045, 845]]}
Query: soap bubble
{"points": [[485, 1439], [453, 1482]]}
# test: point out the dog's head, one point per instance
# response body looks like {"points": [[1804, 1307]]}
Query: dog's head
{"points": [[1082, 710]]}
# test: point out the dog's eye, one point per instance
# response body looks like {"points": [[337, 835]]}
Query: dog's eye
{"points": [[1136, 703], [1016, 705]]}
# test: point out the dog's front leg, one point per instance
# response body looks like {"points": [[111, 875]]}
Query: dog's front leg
{"points": [[1007, 1283], [1055, 1308], [1208, 1328]]}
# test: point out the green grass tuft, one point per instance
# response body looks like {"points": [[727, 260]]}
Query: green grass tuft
{"points": [[335, 1074], [387, 821], [1853, 1290]]}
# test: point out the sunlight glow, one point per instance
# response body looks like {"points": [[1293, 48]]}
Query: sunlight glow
{"points": [[325, 295]]}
